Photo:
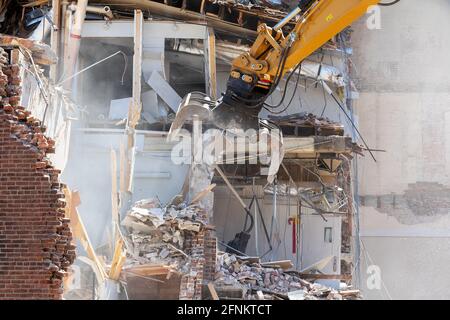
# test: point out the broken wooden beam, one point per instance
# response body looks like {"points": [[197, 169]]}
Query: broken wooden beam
{"points": [[283, 264], [210, 63], [318, 276], [184, 15], [213, 291]]}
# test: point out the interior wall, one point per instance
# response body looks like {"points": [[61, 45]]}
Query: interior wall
{"points": [[229, 218], [89, 171], [89, 166]]}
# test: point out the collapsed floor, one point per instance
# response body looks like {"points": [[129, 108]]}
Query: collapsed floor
{"points": [[160, 240]]}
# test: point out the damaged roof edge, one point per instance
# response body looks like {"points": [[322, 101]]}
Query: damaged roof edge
{"points": [[182, 15]]}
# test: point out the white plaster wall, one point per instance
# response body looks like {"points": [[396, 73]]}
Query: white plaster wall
{"points": [[89, 171], [229, 218], [403, 74]]}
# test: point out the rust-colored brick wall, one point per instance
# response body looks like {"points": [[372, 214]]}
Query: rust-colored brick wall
{"points": [[202, 250], [35, 238]]}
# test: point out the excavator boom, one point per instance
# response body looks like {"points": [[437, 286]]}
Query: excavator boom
{"points": [[255, 74]]}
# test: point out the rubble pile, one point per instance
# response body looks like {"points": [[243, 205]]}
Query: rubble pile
{"points": [[260, 282], [157, 234], [320, 126]]}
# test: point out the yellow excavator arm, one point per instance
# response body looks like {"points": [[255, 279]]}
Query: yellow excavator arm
{"points": [[255, 74], [322, 20]]}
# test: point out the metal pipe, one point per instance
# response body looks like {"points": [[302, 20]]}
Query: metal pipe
{"points": [[75, 39], [55, 38], [106, 11], [286, 19]]}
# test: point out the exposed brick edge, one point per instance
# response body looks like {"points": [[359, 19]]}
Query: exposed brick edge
{"points": [[34, 255], [201, 248]]}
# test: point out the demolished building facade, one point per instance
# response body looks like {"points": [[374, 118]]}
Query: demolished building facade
{"points": [[148, 228]]}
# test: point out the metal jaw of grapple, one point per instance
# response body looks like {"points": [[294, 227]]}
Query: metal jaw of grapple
{"points": [[195, 106], [223, 114], [233, 116]]}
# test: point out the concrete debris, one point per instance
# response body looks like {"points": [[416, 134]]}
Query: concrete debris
{"points": [[310, 124], [270, 283], [157, 233], [41, 52]]}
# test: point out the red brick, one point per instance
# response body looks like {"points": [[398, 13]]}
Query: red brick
{"points": [[31, 226]]}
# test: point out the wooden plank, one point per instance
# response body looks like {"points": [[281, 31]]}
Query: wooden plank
{"points": [[118, 260], [317, 144], [184, 15], [114, 197], [185, 188], [149, 270], [134, 112], [135, 107], [65, 41], [152, 30], [346, 293], [55, 36], [36, 3], [210, 63], [326, 276], [75, 41], [213, 292], [199, 196], [122, 166], [164, 90], [202, 7], [79, 231], [284, 264]]}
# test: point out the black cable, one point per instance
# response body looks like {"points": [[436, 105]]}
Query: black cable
{"points": [[252, 222], [389, 4], [266, 233], [279, 72], [325, 101], [292, 97], [285, 88], [353, 124], [280, 75]]}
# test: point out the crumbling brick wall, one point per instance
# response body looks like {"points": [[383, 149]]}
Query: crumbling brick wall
{"points": [[35, 238], [201, 248]]}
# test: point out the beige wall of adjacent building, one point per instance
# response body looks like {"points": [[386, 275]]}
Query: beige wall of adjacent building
{"points": [[403, 74]]}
